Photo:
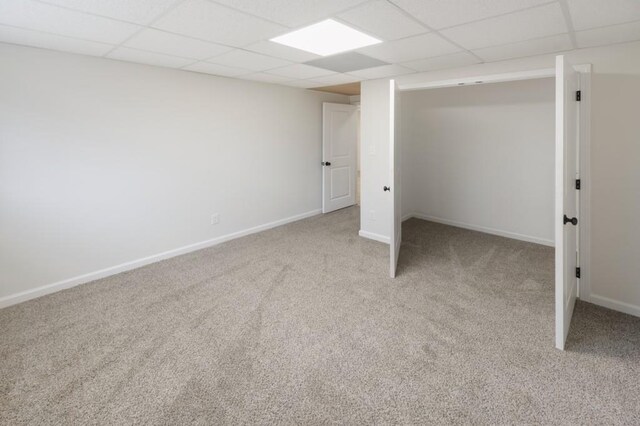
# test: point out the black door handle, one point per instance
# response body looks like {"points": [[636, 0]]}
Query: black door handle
{"points": [[326, 163], [572, 220], [386, 188]]}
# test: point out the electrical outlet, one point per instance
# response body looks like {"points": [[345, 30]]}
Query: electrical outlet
{"points": [[372, 215], [215, 218]]}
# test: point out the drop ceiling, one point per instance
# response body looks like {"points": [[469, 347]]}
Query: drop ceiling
{"points": [[231, 37]]}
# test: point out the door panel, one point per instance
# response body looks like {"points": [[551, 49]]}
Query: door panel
{"points": [[339, 139], [395, 181], [340, 182], [566, 233]]}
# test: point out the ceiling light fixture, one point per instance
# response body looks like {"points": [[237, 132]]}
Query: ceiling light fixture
{"points": [[326, 38]]}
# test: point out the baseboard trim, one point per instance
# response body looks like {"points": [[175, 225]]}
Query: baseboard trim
{"points": [[484, 229], [375, 237], [14, 299], [409, 216], [616, 305]]}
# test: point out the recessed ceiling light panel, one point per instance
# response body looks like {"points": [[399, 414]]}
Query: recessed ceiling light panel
{"points": [[326, 38]]}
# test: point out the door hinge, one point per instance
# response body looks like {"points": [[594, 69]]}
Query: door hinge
{"points": [[578, 184], [579, 95], [578, 272]]}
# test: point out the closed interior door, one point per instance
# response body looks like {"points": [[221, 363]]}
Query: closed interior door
{"points": [[567, 220], [339, 150]]}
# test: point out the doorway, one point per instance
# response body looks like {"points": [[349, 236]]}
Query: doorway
{"points": [[570, 169]]}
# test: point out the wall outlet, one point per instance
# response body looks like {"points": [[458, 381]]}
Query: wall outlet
{"points": [[372, 215], [215, 218]]}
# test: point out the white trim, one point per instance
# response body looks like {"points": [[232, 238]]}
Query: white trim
{"points": [[583, 68], [616, 305], [394, 245], [491, 78], [584, 282], [397, 251], [102, 273], [486, 230], [562, 321], [375, 237]]}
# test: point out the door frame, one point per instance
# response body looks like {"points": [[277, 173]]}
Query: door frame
{"points": [[395, 179], [481, 79], [584, 168], [584, 150]]}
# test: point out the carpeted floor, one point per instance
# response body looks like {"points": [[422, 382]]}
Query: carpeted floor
{"points": [[300, 324]]}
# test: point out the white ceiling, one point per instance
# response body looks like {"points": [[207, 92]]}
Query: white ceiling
{"points": [[231, 37]]}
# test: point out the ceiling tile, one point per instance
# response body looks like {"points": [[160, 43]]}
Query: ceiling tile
{"points": [[412, 48], [149, 58], [215, 69], [50, 41], [219, 24], [281, 51], [383, 20], [138, 11], [598, 13], [609, 35], [176, 45], [538, 46], [267, 78], [459, 59], [346, 62], [292, 13], [43, 17], [249, 60], [305, 84], [526, 25], [300, 71], [381, 72], [335, 79], [447, 13]]}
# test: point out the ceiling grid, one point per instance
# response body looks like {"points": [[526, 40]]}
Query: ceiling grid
{"points": [[232, 37]]}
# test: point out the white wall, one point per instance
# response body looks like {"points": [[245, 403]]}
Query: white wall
{"points": [[103, 163], [482, 157], [613, 277], [375, 204]]}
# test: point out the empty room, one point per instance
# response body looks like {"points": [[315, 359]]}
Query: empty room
{"points": [[319, 212]]}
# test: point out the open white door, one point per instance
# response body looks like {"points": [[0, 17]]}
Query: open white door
{"points": [[339, 139], [394, 172], [566, 220]]}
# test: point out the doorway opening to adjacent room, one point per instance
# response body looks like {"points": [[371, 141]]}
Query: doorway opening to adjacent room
{"points": [[485, 158]]}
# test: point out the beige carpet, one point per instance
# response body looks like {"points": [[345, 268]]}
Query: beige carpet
{"points": [[300, 324]]}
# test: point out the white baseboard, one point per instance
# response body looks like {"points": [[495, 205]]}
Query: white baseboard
{"points": [[616, 305], [484, 229], [409, 216], [375, 237], [92, 276]]}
